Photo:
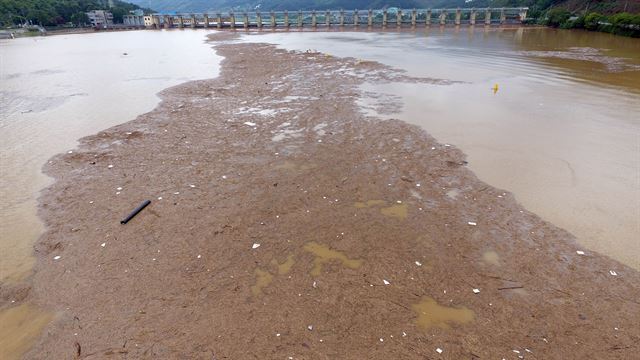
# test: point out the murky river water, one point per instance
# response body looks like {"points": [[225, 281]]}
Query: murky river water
{"points": [[562, 132], [57, 89], [53, 91]]}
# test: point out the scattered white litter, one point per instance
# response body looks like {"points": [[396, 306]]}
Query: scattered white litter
{"points": [[472, 223], [527, 350], [56, 257], [118, 188], [310, 327], [224, 176], [199, 256], [418, 185], [439, 351], [110, 166], [613, 273], [404, 334], [70, 152], [320, 140], [579, 252], [249, 123], [159, 197], [176, 193], [117, 192], [278, 334], [255, 246], [91, 202], [516, 351], [433, 148], [314, 284], [447, 145], [191, 185], [399, 202], [381, 340], [418, 263], [385, 282], [476, 291], [103, 244]]}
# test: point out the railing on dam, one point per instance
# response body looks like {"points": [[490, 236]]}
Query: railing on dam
{"points": [[370, 18]]}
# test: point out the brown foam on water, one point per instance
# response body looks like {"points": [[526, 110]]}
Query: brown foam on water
{"points": [[20, 326], [263, 278], [285, 267], [432, 314], [398, 211], [324, 254], [287, 165], [369, 203], [290, 165], [453, 193], [491, 257]]}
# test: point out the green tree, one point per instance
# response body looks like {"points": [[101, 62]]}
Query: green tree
{"points": [[55, 12], [557, 16], [41, 17], [592, 21], [79, 18]]}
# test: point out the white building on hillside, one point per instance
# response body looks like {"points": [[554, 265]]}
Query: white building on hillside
{"points": [[100, 18]]}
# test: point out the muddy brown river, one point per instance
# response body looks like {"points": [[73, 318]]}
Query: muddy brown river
{"points": [[550, 116], [562, 132]]}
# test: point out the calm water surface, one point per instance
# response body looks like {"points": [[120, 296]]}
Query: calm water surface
{"points": [[562, 132]]}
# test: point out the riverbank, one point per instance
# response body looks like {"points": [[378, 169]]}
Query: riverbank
{"points": [[285, 224]]}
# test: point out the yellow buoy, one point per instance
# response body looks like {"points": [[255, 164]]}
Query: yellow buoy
{"points": [[495, 88]]}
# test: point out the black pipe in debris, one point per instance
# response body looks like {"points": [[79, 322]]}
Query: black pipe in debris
{"points": [[135, 211]]}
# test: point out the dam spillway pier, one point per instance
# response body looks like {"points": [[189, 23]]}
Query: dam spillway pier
{"points": [[337, 18]]}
